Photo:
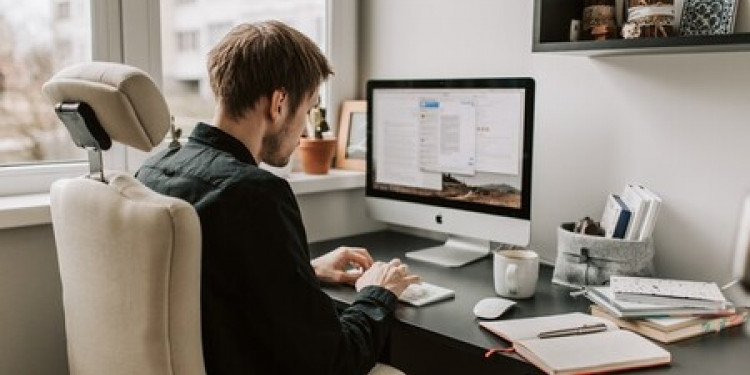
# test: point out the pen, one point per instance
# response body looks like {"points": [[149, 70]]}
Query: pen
{"points": [[582, 330]]}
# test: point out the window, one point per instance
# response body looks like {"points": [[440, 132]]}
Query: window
{"points": [[29, 55], [185, 83], [187, 41], [62, 10], [38, 38], [217, 30]]}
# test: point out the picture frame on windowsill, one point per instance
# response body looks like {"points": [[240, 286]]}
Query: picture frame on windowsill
{"points": [[352, 136]]}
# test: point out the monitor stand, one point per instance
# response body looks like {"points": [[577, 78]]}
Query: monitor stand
{"points": [[456, 252]]}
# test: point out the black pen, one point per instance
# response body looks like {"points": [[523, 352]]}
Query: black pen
{"points": [[582, 330]]}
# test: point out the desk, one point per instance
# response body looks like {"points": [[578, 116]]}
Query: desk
{"points": [[444, 338]]}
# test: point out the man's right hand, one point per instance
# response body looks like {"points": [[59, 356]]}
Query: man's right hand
{"points": [[393, 276]]}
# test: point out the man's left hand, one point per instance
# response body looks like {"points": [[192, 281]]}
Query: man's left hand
{"points": [[332, 267]]}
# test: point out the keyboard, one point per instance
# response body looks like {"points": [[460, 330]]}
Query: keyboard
{"points": [[424, 293]]}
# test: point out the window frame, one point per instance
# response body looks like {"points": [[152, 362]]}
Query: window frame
{"points": [[30, 178], [128, 31]]}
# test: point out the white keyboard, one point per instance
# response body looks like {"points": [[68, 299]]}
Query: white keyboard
{"points": [[424, 293]]}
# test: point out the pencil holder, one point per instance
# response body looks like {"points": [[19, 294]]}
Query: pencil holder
{"points": [[590, 260]]}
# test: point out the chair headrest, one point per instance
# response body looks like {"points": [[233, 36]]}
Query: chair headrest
{"points": [[126, 101]]}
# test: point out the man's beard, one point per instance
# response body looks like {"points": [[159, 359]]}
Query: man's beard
{"points": [[272, 148]]}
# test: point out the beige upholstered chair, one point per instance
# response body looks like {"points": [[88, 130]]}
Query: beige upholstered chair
{"points": [[129, 258]]}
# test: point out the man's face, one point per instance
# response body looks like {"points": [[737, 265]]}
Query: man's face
{"points": [[279, 145]]}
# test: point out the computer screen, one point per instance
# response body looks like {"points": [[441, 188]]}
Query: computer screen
{"points": [[452, 156]]}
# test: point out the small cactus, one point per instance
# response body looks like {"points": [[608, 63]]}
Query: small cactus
{"points": [[318, 121]]}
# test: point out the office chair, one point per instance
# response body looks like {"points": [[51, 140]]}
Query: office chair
{"points": [[129, 258]]}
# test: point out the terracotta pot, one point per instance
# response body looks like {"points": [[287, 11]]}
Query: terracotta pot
{"points": [[316, 154]]}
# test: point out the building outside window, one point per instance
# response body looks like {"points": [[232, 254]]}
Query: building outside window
{"points": [[30, 132], [62, 10], [187, 41], [185, 82], [217, 30]]}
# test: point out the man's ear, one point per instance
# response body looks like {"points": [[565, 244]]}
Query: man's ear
{"points": [[277, 103]]}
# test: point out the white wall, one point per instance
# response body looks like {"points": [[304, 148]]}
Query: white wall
{"points": [[335, 214], [32, 333], [676, 123]]}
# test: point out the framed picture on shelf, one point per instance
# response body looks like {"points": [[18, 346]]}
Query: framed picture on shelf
{"points": [[708, 17], [352, 138]]}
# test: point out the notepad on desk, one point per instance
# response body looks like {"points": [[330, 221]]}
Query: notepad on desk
{"points": [[610, 349], [681, 293]]}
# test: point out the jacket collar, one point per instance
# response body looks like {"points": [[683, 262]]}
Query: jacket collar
{"points": [[215, 137]]}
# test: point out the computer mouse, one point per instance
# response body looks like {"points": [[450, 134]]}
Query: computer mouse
{"points": [[492, 307]]}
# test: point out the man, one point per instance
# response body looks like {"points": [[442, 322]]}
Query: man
{"points": [[262, 308]]}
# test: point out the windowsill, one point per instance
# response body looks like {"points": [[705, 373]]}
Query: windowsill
{"points": [[33, 209], [336, 179], [24, 210]]}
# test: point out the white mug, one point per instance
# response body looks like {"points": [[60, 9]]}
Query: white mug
{"points": [[516, 273]]}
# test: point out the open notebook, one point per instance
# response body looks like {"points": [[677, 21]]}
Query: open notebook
{"points": [[610, 350]]}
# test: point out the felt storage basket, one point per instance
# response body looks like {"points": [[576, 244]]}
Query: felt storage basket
{"points": [[590, 260]]}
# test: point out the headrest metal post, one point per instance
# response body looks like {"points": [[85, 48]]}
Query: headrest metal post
{"points": [[96, 165], [176, 133]]}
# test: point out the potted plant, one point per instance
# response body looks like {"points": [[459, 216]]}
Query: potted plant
{"points": [[315, 150]]}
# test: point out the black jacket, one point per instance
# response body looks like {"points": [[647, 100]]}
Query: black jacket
{"points": [[262, 308]]}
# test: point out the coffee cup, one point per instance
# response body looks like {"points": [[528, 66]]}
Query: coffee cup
{"points": [[515, 272]]}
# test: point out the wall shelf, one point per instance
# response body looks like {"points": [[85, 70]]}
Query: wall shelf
{"points": [[551, 31]]}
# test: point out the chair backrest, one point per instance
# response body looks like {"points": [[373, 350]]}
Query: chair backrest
{"points": [[129, 257]]}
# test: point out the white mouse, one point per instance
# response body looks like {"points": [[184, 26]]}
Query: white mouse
{"points": [[492, 307]]}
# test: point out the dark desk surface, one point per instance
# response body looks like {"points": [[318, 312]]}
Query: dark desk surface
{"points": [[725, 352]]}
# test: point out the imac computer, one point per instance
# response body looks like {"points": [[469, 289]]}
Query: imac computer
{"points": [[452, 156]]}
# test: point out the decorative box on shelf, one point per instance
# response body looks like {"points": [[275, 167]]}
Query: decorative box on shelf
{"points": [[553, 20]]}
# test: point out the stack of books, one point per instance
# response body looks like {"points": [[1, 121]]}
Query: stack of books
{"points": [[663, 309], [631, 215], [668, 329]]}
